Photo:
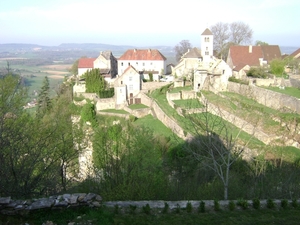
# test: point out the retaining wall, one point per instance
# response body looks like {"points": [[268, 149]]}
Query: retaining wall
{"points": [[266, 97]]}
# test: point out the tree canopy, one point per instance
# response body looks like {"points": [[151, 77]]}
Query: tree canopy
{"points": [[182, 48], [227, 34], [94, 82]]}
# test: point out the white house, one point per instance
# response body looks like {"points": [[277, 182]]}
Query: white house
{"points": [[144, 61], [127, 86], [106, 62]]}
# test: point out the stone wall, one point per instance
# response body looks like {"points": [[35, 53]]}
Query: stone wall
{"points": [[166, 120], [139, 113], [295, 82], [266, 97], [9, 206], [104, 103]]}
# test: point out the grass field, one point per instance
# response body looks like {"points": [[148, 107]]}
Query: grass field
{"points": [[107, 216], [295, 92]]}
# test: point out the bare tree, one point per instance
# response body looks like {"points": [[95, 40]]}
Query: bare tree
{"points": [[226, 34], [182, 48], [240, 33], [221, 37], [215, 145]]}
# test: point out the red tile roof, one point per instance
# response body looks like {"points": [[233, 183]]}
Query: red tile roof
{"points": [[86, 62], [240, 55], [250, 55], [142, 54], [296, 53]]}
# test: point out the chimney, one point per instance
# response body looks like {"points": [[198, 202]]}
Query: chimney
{"points": [[250, 48], [134, 50]]}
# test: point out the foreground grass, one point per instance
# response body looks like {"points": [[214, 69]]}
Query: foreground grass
{"points": [[107, 216]]}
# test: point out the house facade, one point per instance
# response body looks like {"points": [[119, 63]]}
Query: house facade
{"points": [[252, 56], [127, 86], [144, 61], [106, 62]]}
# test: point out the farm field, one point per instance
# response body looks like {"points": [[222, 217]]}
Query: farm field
{"points": [[34, 75]]}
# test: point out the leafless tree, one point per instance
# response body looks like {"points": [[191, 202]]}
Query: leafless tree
{"points": [[221, 37], [215, 145], [182, 48], [226, 34], [240, 33]]}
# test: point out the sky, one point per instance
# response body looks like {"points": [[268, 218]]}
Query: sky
{"points": [[143, 23]]}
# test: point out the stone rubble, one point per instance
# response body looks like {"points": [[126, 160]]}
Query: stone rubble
{"points": [[9, 206]]}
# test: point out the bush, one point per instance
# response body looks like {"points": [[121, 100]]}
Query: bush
{"points": [[270, 204], [295, 203], [116, 209], [201, 207], [177, 210], [257, 72], [189, 207], [146, 209], [233, 79], [166, 208], [132, 209], [243, 203], [231, 205], [284, 203], [217, 205], [256, 203]]}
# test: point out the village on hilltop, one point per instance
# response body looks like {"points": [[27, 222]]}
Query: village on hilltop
{"points": [[128, 73]]}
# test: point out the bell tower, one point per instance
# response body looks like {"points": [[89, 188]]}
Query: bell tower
{"points": [[207, 45]]}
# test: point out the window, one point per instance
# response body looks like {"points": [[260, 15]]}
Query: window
{"points": [[130, 87], [130, 78], [121, 64], [136, 63], [129, 64], [143, 64], [206, 48], [206, 39], [206, 53]]}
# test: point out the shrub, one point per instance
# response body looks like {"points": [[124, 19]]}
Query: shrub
{"points": [[116, 209], [189, 207], [233, 79], [284, 203], [242, 203], [146, 209], [201, 207], [151, 76], [177, 210], [217, 205], [257, 72], [256, 203], [270, 204], [295, 203], [231, 205], [132, 209], [166, 208]]}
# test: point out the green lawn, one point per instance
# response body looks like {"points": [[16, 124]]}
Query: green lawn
{"points": [[188, 103], [119, 111], [107, 216], [137, 106], [178, 89], [291, 91]]}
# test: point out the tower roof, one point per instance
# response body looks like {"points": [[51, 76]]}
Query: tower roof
{"points": [[207, 32]]}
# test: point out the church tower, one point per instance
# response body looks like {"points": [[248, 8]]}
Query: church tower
{"points": [[207, 45]]}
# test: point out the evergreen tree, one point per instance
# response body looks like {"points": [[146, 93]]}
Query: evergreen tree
{"points": [[44, 101], [94, 82]]}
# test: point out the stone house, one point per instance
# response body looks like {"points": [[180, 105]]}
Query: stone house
{"points": [[106, 62], [145, 61], [251, 56], [127, 86]]}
